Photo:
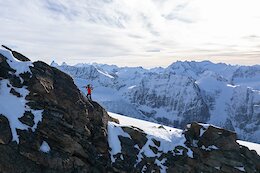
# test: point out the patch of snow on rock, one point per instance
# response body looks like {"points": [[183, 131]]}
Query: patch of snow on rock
{"points": [[114, 143], [19, 66], [45, 147], [11, 106]]}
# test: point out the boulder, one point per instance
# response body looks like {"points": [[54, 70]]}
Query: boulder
{"points": [[221, 138], [137, 135], [209, 135], [27, 118], [5, 67]]}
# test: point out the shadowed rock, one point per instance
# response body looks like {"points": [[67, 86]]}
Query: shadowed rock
{"points": [[17, 55], [211, 136], [15, 93], [27, 118], [5, 131]]}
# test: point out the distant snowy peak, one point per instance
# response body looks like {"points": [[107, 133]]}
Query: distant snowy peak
{"points": [[185, 68], [64, 64], [85, 72], [195, 69], [234, 75], [54, 64], [82, 65], [192, 69]]}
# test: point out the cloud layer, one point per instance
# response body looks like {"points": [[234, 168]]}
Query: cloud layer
{"points": [[133, 33]]}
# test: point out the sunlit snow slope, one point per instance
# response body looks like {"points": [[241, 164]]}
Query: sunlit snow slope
{"points": [[169, 136]]}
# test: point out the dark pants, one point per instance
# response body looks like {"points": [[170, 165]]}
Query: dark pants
{"points": [[89, 96]]}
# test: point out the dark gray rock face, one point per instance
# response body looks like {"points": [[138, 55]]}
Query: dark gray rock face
{"points": [[216, 150], [27, 118], [5, 131], [74, 128]]}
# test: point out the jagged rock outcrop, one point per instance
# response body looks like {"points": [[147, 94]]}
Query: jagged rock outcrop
{"points": [[205, 148], [5, 131], [216, 150], [73, 127], [17, 55]]}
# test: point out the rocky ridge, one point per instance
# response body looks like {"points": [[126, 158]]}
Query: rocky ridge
{"points": [[200, 148], [73, 127]]}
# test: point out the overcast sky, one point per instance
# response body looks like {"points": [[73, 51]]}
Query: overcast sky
{"points": [[133, 32]]}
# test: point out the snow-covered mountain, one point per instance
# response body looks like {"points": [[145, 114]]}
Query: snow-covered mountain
{"points": [[225, 95]]}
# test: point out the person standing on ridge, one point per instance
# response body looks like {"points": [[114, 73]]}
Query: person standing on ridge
{"points": [[89, 89]]}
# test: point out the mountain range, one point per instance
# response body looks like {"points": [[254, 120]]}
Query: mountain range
{"points": [[224, 95]]}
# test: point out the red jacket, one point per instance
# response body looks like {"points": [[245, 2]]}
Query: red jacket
{"points": [[89, 90]]}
